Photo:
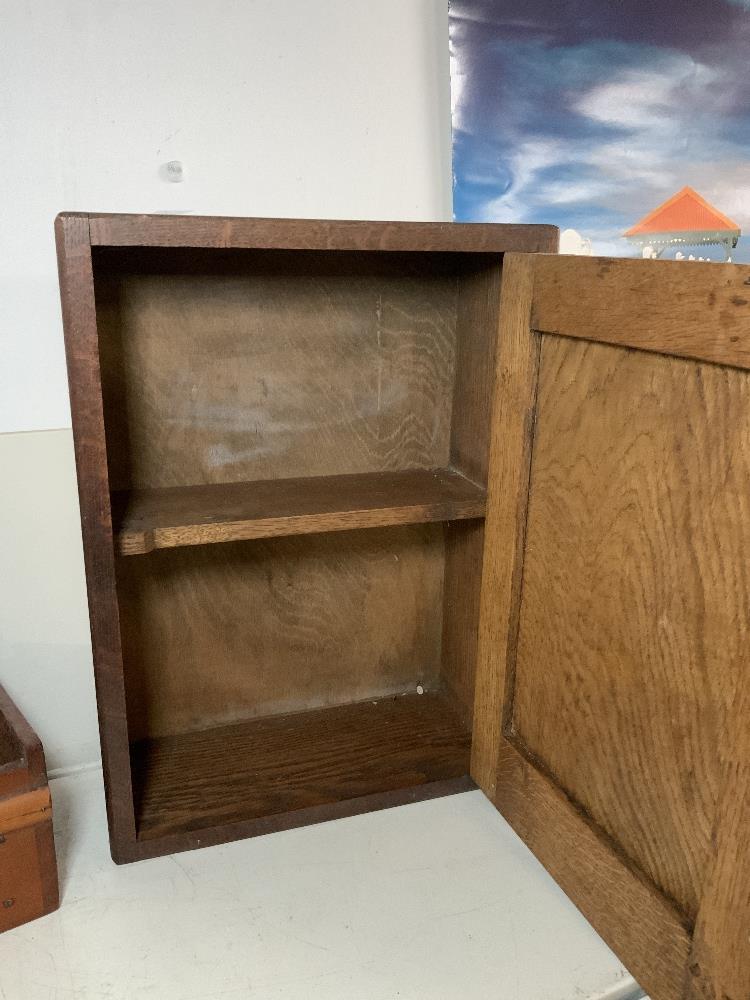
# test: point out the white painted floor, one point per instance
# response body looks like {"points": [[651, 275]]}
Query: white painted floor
{"points": [[433, 901]]}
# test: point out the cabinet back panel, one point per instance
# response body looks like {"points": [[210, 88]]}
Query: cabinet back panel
{"points": [[635, 609], [237, 365], [220, 633]]}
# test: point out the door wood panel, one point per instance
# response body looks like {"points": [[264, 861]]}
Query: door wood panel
{"points": [[616, 603]]}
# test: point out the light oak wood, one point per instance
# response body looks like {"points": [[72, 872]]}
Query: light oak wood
{"points": [[510, 454], [646, 931], [476, 341], [685, 309], [25, 810], [227, 512], [634, 614], [615, 606], [719, 964]]}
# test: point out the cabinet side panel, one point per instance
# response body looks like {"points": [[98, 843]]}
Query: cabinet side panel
{"points": [[636, 599], [477, 312], [507, 491], [79, 323]]}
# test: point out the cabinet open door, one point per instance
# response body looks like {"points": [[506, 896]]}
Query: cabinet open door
{"points": [[612, 712]]}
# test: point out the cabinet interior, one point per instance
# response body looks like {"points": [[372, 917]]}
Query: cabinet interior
{"points": [[297, 447]]}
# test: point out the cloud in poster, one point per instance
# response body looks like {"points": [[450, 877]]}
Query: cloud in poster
{"points": [[593, 134]]}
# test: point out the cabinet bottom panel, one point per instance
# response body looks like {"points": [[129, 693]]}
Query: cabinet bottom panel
{"points": [[192, 789]]}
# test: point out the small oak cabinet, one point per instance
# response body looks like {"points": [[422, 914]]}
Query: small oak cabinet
{"points": [[377, 511]]}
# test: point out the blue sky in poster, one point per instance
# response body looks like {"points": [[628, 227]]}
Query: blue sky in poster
{"points": [[590, 113]]}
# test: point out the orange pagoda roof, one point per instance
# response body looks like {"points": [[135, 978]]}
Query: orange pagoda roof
{"points": [[685, 211]]}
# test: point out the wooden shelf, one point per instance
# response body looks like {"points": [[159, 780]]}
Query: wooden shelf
{"points": [[283, 771], [196, 515]]}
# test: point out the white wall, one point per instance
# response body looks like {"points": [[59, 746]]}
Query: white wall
{"points": [[332, 109]]}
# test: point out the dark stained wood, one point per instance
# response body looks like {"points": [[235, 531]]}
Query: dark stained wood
{"points": [[82, 353], [615, 609], [28, 868], [211, 836], [220, 633], [210, 355], [686, 309], [9, 750], [226, 512], [314, 234], [282, 764], [20, 749]]}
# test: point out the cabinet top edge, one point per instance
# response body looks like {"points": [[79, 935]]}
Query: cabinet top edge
{"points": [[227, 232]]}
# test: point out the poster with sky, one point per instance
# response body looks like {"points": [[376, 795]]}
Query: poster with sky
{"points": [[627, 124]]}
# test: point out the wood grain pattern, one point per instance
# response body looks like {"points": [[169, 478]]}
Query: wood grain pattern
{"points": [[21, 894], [462, 579], [262, 366], [612, 630], [635, 606], [512, 422], [9, 751], [477, 314], [623, 907], [279, 765], [20, 750], [314, 234], [646, 931], [25, 809], [197, 515], [218, 351], [476, 342], [692, 310], [28, 868], [238, 829], [719, 967], [279, 625], [82, 354]]}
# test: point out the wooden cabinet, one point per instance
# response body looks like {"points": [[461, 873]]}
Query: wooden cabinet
{"points": [[375, 511], [28, 868]]}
